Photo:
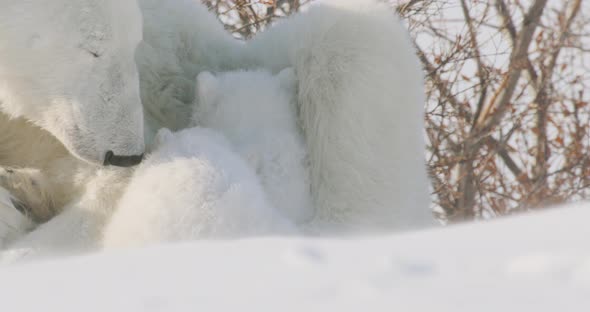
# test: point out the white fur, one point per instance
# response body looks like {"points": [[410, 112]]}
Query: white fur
{"points": [[256, 111], [192, 186], [80, 226], [359, 95], [40, 85], [68, 67], [361, 101], [13, 224], [181, 39]]}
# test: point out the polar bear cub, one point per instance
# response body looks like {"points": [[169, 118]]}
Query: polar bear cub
{"points": [[256, 111], [192, 186]]}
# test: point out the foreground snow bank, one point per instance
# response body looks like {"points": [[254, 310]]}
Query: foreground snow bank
{"points": [[529, 263]]}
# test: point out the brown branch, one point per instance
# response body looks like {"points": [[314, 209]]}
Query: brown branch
{"points": [[441, 85], [543, 103], [508, 24], [481, 73], [518, 59], [404, 8]]}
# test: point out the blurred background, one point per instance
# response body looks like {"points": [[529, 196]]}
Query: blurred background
{"points": [[508, 87]]}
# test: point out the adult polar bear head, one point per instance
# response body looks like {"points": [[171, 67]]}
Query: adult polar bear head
{"points": [[68, 67]]}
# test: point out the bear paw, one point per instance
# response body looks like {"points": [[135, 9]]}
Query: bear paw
{"points": [[14, 222], [28, 193]]}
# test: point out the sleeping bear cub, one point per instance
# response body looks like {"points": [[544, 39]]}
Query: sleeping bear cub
{"points": [[256, 111], [228, 176], [192, 186]]}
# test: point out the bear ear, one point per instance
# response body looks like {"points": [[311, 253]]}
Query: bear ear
{"points": [[288, 79], [207, 85]]}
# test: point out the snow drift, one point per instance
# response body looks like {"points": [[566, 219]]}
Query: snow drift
{"points": [[527, 263]]}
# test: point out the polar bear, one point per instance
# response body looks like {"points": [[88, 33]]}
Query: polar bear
{"points": [[192, 186], [256, 111], [69, 95], [360, 101], [73, 78], [68, 72], [79, 88]]}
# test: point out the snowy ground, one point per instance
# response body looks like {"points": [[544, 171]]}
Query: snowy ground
{"points": [[529, 263]]}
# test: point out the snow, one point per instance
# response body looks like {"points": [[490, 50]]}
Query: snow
{"points": [[535, 263]]}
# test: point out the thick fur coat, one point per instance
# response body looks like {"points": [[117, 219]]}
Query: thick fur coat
{"points": [[359, 101]]}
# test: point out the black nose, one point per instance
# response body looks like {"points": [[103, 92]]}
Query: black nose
{"points": [[110, 159]]}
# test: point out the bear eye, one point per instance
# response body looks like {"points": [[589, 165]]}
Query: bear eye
{"points": [[93, 45], [93, 51], [94, 54]]}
